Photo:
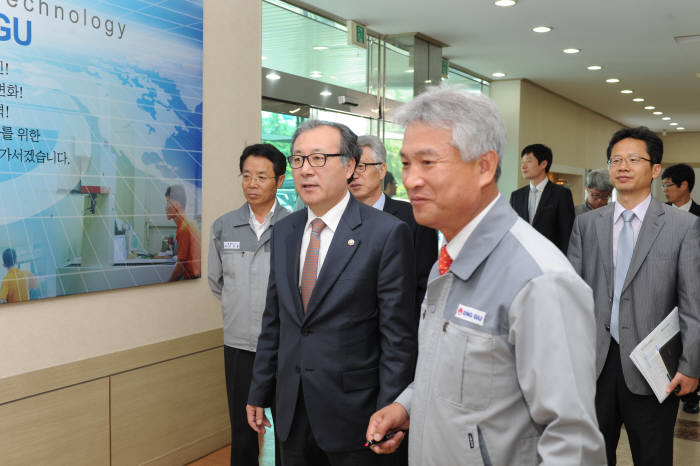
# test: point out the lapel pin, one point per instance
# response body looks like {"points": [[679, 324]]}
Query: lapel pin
{"points": [[351, 242]]}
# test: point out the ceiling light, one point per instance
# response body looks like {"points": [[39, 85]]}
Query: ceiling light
{"points": [[657, 113], [541, 29], [410, 70], [272, 76], [315, 74], [612, 80], [295, 110], [649, 107], [571, 51], [505, 2], [320, 47], [665, 118], [498, 74], [626, 91], [594, 67], [638, 99], [326, 93], [673, 124], [428, 81], [679, 128]]}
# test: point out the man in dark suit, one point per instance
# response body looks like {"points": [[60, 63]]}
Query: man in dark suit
{"points": [[367, 188], [337, 341], [642, 259], [678, 182], [546, 206]]}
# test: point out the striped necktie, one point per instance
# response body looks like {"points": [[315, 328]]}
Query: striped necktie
{"points": [[309, 272]]}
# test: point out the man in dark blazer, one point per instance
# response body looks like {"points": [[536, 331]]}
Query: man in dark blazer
{"points": [[642, 259], [678, 182], [546, 206], [367, 188], [337, 340]]}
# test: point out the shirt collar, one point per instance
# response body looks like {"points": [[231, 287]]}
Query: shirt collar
{"points": [[379, 205], [457, 243], [332, 217], [540, 185], [639, 211], [686, 206], [268, 215]]}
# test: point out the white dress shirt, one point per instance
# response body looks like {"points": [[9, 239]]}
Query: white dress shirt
{"points": [[331, 219], [538, 194], [685, 206], [379, 205], [639, 212], [259, 228], [457, 243]]}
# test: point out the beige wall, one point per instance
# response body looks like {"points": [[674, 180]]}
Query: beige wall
{"points": [[682, 148], [55, 331]]}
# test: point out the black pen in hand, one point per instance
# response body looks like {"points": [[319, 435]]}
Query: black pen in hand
{"points": [[386, 437]]}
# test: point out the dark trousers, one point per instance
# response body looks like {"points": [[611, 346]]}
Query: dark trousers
{"points": [[649, 424], [244, 440], [301, 448]]}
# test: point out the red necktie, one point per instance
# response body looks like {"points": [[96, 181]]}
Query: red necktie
{"points": [[444, 261], [308, 273]]}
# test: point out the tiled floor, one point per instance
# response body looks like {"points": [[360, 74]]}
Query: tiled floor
{"points": [[686, 451]]}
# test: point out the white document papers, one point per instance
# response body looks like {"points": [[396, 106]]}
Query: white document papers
{"points": [[658, 353]]}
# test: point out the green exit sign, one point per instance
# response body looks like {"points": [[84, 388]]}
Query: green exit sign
{"points": [[357, 34]]}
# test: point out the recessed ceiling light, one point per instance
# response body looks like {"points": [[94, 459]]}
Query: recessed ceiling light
{"points": [[594, 67], [505, 2], [679, 128], [626, 91], [665, 118], [320, 47], [657, 113], [326, 93], [541, 29], [673, 124], [571, 51], [638, 99], [272, 76], [498, 74], [410, 70], [649, 107], [612, 80]]}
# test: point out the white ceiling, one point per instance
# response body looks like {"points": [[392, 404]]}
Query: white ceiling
{"points": [[632, 40]]}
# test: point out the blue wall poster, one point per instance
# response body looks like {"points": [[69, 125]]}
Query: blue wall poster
{"points": [[100, 145]]}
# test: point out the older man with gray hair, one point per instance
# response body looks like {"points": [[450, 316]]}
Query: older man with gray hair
{"points": [[506, 360], [367, 188], [598, 190]]}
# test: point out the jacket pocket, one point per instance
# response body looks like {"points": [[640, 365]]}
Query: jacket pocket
{"points": [[465, 366], [359, 379]]}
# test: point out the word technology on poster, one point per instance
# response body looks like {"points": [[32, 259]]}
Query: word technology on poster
{"points": [[100, 145]]}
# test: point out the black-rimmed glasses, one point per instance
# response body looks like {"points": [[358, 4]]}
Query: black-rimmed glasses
{"points": [[316, 159], [362, 166]]}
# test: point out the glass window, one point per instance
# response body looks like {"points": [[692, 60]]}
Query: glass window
{"points": [[304, 44], [393, 138], [478, 85]]}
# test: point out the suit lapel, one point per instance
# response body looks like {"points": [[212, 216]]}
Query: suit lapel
{"points": [[603, 228], [343, 246], [390, 206], [293, 245], [544, 199], [651, 226]]}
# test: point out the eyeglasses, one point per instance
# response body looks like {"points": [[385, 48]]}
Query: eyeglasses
{"points": [[260, 179], [316, 159], [631, 160], [362, 166], [668, 185], [599, 197]]}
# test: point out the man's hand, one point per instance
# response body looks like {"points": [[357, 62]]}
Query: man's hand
{"points": [[388, 419], [687, 384], [256, 418]]}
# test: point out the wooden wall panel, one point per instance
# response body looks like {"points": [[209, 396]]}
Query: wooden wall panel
{"points": [[63, 427], [170, 413]]}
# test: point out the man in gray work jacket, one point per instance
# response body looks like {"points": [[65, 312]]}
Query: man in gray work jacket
{"points": [[506, 360], [239, 266]]}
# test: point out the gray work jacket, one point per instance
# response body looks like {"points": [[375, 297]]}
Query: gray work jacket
{"points": [[239, 268], [506, 356]]}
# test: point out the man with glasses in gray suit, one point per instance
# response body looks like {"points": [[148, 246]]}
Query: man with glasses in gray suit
{"points": [[642, 259]]}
